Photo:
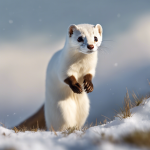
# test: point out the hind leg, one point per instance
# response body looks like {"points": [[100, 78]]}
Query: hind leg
{"points": [[53, 116], [83, 109], [68, 110], [60, 114]]}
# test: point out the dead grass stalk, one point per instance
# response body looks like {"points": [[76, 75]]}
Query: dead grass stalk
{"points": [[125, 112], [53, 130], [138, 101]]}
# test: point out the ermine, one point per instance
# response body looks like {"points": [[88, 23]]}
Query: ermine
{"points": [[68, 80]]}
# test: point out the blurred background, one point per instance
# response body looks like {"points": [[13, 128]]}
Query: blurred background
{"points": [[31, 31]]}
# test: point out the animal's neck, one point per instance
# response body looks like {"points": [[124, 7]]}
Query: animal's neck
{"points": [[70, 58], [71, 55]]}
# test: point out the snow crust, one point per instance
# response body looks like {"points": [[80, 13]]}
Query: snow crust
{"points": [[92, 139]]}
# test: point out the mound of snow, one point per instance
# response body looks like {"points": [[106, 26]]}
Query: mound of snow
{"points": [[140, 120], [92, 139]]}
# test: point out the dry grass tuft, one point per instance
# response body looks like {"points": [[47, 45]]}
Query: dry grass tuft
{"points": [[70, 130], [138, 101], [85, 127], [2, 125], [125, 112], [91, 125], [16, 130], [105, 121], [52, 129], [24, 129], [138, 138]]}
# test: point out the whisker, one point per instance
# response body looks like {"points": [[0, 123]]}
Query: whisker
{"points": [[104, 47], [108, 40]]}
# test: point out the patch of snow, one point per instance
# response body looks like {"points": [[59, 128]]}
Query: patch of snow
{"points": [[91, 140]]}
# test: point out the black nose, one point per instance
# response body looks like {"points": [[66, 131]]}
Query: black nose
{"points": [[90, 46]]}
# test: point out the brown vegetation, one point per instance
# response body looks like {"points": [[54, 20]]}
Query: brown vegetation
{"points": [[138, 100], [69, 131], [138, 138], [125, 112]]}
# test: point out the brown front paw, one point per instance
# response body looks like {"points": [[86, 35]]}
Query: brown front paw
{"points": [[88, 86], [76, 88], [74, 85]]}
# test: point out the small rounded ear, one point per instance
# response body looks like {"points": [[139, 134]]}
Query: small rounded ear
{"points": [[100, 30], [72, 28]]}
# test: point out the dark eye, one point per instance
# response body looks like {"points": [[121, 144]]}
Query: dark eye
{"points": [[80, 39], [95, 39]]}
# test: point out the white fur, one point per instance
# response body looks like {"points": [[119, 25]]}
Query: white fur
{"points": [[63, 107]]}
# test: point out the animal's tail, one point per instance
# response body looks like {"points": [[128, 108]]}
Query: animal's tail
{"points": [[35, 121]]}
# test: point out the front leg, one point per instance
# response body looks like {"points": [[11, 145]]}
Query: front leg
{"points": [[88, 85], [74, 85]]}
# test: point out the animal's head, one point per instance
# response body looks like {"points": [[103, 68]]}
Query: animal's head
{"points": [[85, 38]]}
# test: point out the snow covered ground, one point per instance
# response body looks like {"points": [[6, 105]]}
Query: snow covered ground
{"points": [[98, 137]]}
